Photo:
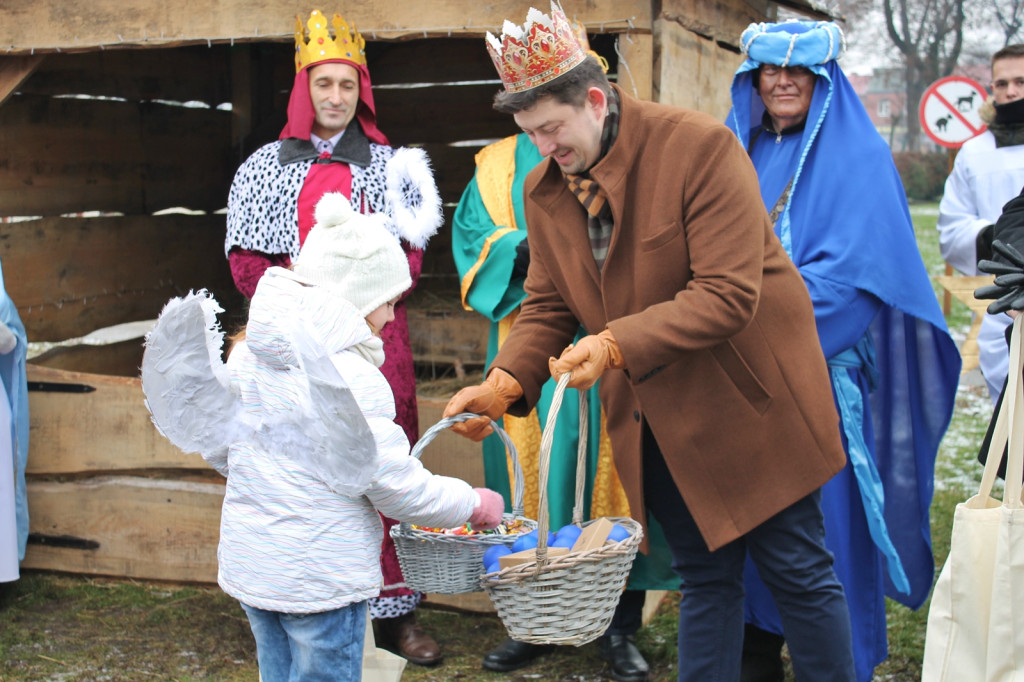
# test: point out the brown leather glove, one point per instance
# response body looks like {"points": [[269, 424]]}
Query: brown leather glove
{"points": [[489, 399], [588, 360]]}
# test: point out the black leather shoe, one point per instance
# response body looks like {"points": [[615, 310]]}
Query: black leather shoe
{"points": [[512, 655], [762, 656], [627, 664]]}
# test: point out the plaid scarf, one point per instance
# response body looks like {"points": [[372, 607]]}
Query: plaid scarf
{"points": [[590, 194]]}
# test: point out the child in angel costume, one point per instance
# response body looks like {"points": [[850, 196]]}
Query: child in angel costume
{"points": [[300, 421]]}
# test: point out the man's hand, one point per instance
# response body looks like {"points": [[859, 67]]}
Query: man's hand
{"points": [[588, 360], [490, 400]]}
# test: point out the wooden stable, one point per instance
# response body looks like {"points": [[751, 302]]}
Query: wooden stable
{"points": [[121, 125]]}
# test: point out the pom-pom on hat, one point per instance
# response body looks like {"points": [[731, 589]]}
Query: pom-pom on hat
{"points": [[352, 254]]}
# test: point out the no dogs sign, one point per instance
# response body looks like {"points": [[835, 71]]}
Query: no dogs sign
{"points": [[949, 110]]}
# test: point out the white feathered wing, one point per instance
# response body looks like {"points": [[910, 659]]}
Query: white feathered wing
{"points": [[339, 445], [185, 382], [188, 393]]}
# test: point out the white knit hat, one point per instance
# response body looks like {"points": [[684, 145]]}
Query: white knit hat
{"points": [[352, 254]]}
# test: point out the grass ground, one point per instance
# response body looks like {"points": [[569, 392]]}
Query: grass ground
{"points": [[57, 628]]}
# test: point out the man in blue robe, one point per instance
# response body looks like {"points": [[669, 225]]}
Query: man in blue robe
{"points": [[838, 205]]}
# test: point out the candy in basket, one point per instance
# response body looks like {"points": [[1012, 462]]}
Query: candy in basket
{"points": [[450, 561]]}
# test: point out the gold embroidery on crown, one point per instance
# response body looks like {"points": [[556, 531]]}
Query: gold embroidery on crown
{"points": [[346, 43], [544, 48]]}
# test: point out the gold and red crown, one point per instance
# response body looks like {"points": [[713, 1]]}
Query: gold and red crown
{"points": [[542, 49], [320, 46]]}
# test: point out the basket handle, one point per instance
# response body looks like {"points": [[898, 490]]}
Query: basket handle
{"points": [[517, 469], [547, 439]]}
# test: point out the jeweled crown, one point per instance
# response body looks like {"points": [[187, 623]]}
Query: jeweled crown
{"points": [[542, 49], [320, 45]]}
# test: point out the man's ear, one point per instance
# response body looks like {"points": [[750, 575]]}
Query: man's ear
{"points": [[597, 100]]}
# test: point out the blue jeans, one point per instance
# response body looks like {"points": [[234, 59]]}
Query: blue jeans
{"points": [[309, 647], [789, 552]]}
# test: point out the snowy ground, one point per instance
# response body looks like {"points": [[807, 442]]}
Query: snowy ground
{"points": [[957, 465]]}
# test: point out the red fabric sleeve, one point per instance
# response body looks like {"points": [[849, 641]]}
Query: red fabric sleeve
{"points": [[248, 266]]}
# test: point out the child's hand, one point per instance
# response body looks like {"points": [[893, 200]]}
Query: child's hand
{"points": [[487, 514]]}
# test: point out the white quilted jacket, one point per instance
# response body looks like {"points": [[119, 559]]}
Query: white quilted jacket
{"points": [[288, 543]]}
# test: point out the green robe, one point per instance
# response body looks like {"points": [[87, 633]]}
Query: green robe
{"points": [[488, 225]]}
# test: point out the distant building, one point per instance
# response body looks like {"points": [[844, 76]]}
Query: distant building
{"points": [[885, 99]]}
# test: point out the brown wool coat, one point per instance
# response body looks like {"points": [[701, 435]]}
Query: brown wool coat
{"points": [[713, 320]]}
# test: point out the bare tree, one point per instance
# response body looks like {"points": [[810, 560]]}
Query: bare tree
{"points": [[1010, 15], [895, 117], [929, 34]]}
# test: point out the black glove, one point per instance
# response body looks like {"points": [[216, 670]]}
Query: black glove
{"points": [[522, 261], [983, 243], [1008, 289]]}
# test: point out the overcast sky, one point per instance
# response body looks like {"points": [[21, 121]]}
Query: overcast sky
{"points": [[869, 46]]}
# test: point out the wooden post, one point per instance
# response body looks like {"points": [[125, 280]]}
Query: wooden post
{"points": [[635, 63], [947, 299]]}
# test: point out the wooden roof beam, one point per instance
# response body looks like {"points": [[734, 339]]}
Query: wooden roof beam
{"points": [[14, 71], [28, 26]]}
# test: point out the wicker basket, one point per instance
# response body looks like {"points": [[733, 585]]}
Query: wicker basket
{"points": [[569, 599], [452, 564]]}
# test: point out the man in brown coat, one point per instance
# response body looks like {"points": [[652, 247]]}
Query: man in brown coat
{"points": [[647, 228]]}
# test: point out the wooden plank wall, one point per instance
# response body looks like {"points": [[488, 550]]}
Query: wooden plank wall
{"points": [[696, 53], [42, 25], [70, 276], [108, 495], [100, 134], [122, 149]]}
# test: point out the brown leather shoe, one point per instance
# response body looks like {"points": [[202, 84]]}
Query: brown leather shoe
{"points": [[405, 637]]}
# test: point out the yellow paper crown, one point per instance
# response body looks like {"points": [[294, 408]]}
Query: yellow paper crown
{"points": [[542, 49], [346, 44]]}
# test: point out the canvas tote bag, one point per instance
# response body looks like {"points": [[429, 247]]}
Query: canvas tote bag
{"points": [[379, 665], [975, 627]]}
